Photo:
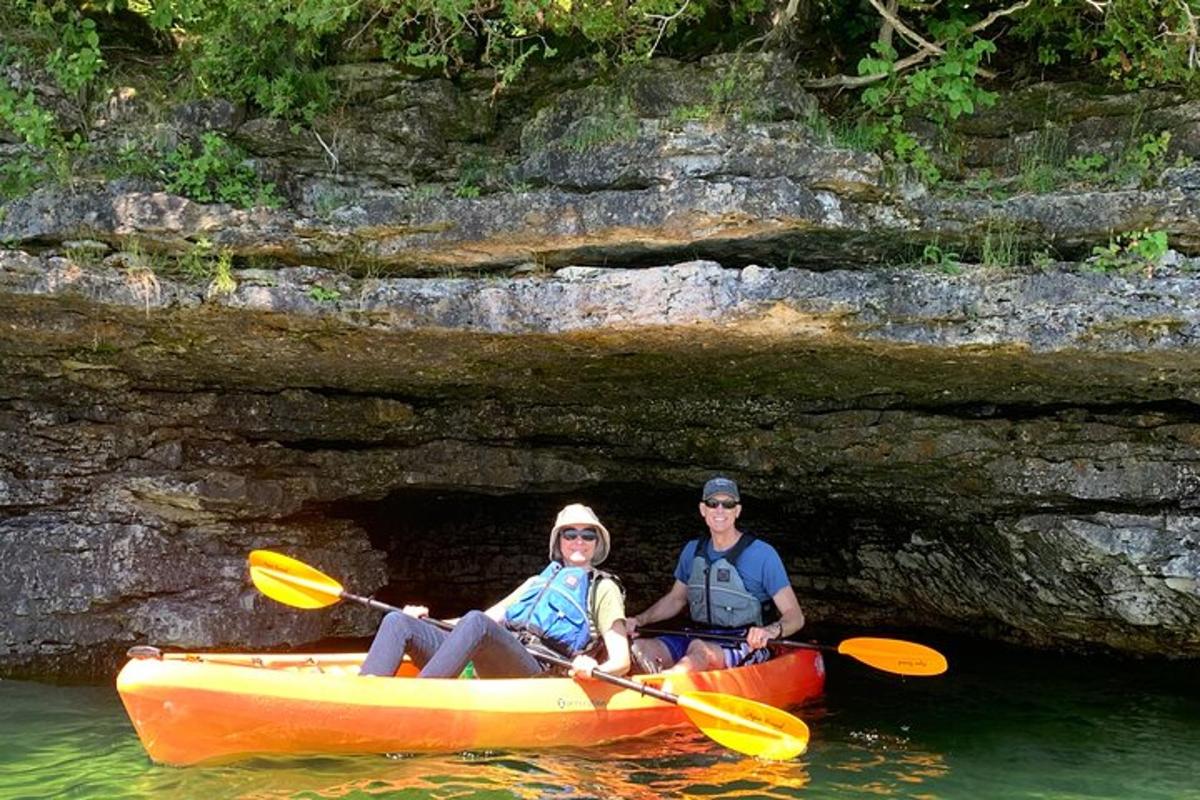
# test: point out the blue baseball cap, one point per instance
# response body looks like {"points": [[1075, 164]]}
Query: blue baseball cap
{"points": [[720, 485]]}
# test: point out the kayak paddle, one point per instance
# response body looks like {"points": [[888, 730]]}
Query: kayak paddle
{"points": [[889, 655], [746, 726]]}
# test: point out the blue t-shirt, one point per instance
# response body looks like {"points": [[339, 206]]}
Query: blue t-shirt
{"points": [[759, 565]]}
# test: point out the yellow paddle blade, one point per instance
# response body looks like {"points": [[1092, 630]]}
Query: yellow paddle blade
{"points": [[292, 582], [746, 726], [895, 655]]}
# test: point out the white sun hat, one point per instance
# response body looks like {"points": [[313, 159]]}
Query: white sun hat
{"points": [[574, 515]]}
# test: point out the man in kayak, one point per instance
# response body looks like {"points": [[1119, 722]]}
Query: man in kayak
{"points": [[727, 579], [571, 608]]}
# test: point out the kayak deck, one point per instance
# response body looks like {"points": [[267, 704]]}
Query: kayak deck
{"points": [[189, 707]]}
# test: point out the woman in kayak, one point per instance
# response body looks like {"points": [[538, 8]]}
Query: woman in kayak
{"points": [[570, 607]]}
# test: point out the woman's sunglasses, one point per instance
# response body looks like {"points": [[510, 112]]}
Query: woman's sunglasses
{"points": [[722, 503], [571, 534]]}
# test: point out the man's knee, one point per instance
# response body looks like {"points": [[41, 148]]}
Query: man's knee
{"points": [[704, 655], [651, 656]]}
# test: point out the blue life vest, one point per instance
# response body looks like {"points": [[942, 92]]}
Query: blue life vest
{"points": [[556, 609]]}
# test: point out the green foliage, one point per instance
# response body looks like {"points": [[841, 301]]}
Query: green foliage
{"points": [[985, 183], [1043, 161], [268, 52], [217, 174], [71, 56], [1144, 160], [1139, 163], [134, 160], [271, 51], [1127, 252], [1138, 43], [940, 92], [223, 282], [329, 199], [197, 263], [947, 261], [694, 113], [1001, 246], [76, 62], [735, 92], [472, 176], [467, 190], [33, 125], [1042, 260], [1088, 169], [322, 294], [424, 192]]}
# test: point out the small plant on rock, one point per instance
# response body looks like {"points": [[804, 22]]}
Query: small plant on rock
{"points": [[1001, 245], [223, 282], [1087, 169], [947, 261], [324, 295], [1141, 250], [218, 173]]}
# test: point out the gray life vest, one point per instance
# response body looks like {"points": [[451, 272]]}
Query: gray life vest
{"points": [[716, 594]]}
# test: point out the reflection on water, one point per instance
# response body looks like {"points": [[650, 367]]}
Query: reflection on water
{"points": [[680, 764], [1021, 728]]}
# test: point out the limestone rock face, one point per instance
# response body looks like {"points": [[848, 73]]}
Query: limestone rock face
{"points": [[469, 310], [964, 452]]}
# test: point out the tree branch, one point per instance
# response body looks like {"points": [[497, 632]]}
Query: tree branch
{"points": [[665, 22], [927, 49], [893, 21]]}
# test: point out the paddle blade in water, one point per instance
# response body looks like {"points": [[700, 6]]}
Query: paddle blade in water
{"points": [[895, 655], [292, 582], [746, 726]]}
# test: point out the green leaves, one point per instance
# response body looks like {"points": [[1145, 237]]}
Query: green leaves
{"points": [[1137, 43], [74, 61], [1137, 250], [217, 174], [943, 90]]}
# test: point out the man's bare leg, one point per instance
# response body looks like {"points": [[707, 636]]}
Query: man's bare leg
{"points": [[651, 656], [700, 656]]}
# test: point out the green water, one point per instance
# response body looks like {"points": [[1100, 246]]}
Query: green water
{"points": [[999, 725]]}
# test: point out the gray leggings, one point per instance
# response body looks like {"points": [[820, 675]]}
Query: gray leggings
{"points": [[440, 654]]}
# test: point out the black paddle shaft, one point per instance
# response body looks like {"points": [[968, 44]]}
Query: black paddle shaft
{"points": [[730, 637]]}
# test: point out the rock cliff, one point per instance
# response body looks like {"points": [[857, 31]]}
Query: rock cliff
{"points": [[405, 369]]}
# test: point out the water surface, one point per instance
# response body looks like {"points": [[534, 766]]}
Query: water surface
{"points": [[1001, 724]]}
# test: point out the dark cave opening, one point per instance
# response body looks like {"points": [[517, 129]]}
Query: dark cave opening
{"points": [[455, 550]]}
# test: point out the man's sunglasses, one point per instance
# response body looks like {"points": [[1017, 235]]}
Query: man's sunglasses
{"points": [[571, 534], [722, 503]]}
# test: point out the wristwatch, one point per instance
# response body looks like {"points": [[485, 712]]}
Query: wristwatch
{"points": [[779, 629]]}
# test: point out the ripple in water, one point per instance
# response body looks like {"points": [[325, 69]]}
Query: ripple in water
{"points": [[1020, 729]]}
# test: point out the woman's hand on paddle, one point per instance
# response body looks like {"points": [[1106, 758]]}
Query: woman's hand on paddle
{"points": [[583, 665], [631, 625], [416, 611]]}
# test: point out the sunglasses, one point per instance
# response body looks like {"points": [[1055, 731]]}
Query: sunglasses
{"points": [[571, 534], [722, 503]]}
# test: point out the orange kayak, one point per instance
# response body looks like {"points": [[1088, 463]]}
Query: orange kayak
{"points": [[194, 707]]}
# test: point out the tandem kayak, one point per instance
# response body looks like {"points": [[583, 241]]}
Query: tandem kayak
{"points": [[198, 707]]}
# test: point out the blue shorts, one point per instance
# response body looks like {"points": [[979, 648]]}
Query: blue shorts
{"points": [[736, 654]]}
